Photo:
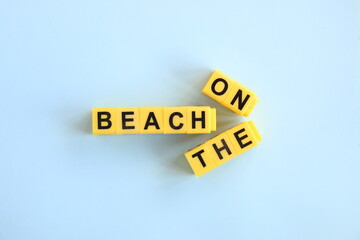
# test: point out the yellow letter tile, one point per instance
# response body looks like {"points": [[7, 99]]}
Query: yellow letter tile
{"points": [[221, 148], [151, 120], [244, 136], [218, 86], [240, 100], [200, 160], [175, 120], [198, 120], [104, 121], [129, 120]]}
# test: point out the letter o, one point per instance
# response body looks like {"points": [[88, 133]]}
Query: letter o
{"points": [[213, 85]]}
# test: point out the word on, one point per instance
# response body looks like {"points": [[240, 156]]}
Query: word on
{"points": [[230, 93], [153, 120], [223, 147]]}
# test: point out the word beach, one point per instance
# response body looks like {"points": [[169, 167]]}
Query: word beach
{"points": [[153, 120]]}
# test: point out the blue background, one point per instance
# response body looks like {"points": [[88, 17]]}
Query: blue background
{"points": [[58, 59]]}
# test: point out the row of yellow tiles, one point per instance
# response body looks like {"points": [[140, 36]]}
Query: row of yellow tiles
{"points": [[153, 120], [230, 93], [223, 147]]}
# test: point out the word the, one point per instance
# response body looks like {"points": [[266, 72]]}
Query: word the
{"points": [[223, 147], [153, 120], [230, 93]]}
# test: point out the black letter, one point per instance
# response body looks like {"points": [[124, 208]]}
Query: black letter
{"points": [[218, 150], [238, 95], [194, 119], [215, 82], [198, 154], [172, 123], [148, 123], [107, 119], [242, 145], [124, 120]]}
